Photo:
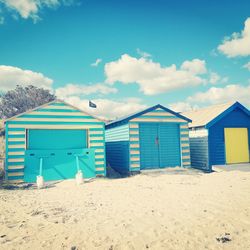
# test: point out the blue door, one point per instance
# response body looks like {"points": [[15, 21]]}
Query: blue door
{"points": [[61, 151], [149, 151], [159, 145], [169, 145]]}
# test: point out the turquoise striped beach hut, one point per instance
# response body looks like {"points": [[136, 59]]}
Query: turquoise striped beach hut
{"points": [[156, 137], [55, 140]]}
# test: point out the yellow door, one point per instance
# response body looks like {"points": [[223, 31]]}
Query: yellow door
{"points": [[236, 143]]}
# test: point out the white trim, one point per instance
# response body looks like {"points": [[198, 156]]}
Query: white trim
{"points": [[16, 139], [15, 160], [157, 120], [16, 153], [135, 165]]}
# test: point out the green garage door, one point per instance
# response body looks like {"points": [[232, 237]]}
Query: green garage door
{"points": [[56, 138], [58, 150]]}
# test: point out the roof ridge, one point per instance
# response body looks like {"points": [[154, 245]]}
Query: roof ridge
{"points": [[125, 119], [45, 104], [210, 106], [207, 116]]}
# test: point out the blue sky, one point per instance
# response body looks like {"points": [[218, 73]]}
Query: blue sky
{"points": [[181, 54]]}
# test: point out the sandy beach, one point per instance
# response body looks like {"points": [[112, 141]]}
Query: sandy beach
{"points": [[169, 209]]}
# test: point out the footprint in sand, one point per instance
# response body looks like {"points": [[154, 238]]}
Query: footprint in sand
{"points": [[4, 240], [35, 212]]}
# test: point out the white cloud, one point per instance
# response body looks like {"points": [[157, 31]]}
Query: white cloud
{"points": [[214, 77], [30, 8], [108, 109], [96, 63], [195, 66], [152, 77], [143, 53], [25, 8], [12, 76], [80, 90], [238, 44], [181, 106], [214, 95], [247, 66]]}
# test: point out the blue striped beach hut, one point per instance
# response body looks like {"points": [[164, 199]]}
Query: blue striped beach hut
{"points": [[156, 137], [55, 140], [219, 135]]}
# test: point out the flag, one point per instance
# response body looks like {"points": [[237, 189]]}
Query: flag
{"points": [[92, 105]]}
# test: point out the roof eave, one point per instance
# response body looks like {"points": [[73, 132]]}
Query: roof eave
{"points": [[174, 113], [197, 126], [30, 110], [45, 104], [227, 111], [128, 118]]}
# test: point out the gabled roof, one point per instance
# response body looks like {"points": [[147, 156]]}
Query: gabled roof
{"points": [[57, 100], [208, 116], [126, 119]]}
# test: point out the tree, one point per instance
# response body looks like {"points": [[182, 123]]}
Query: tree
{"points": [[21, 99]]}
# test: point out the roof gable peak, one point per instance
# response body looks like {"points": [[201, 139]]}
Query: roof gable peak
{"points": [[48, 104], [126, 119]]}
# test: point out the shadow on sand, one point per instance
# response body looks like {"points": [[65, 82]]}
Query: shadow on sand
{"points": [[4, 185], [112, 174], [243, 167], [172, 171]]}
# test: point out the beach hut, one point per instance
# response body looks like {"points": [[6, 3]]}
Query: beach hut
{"points": [[55, 140], [156, 137], [219, 135]]}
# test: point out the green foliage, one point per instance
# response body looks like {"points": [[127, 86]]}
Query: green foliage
{"points": [[21, 99]]}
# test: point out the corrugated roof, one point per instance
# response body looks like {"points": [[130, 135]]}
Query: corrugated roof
{"points": [[202, 117]]}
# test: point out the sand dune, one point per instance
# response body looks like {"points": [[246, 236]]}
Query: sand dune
{"points": [[171, 209]]}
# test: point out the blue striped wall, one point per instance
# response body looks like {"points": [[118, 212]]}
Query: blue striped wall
{"points": [[56, 115], [120, 133], [117, 148], [235, 119], [199, 150], [117, 155]]}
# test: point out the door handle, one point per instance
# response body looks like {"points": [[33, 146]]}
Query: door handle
{"points": [[157, 140]]}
